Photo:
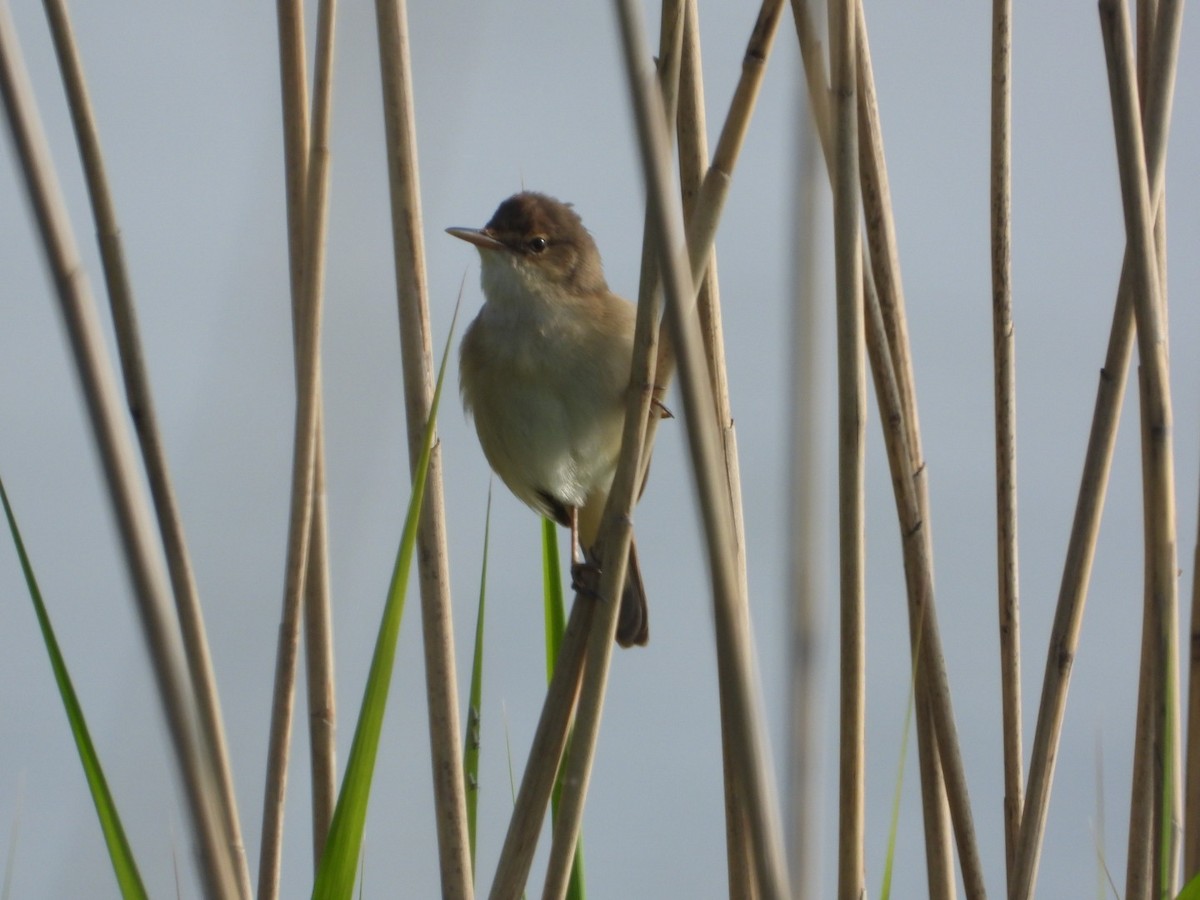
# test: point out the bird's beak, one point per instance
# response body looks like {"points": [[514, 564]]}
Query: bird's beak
{"points": [[477, 237]]}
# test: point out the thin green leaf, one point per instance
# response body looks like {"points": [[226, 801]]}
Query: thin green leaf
{"points": [[552, 595], [556, 624], [336, 873], [894, 826], [475, 703], [1169, 838], [129, 880], [1191, 890]]}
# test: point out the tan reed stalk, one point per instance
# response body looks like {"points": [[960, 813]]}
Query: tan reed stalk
{"points": [[417, 357], [293, 83], [812, 57], [804, 582], [140, 400], [308, 343], [1068, 616], [938, 850], [693, 161], [616, 529], [703, 200], [1139, 856], [549, 741], [318, 655], [702, 224], [692, 166], [749, 758], [733, 637], [318, 632], [139, 543], [1161, 619], [851, 379], [615, 539], [1147, 24], [517, 854], [1170, 705], [1005, 387], [1144, 839], [942, 777], [932, 679]]}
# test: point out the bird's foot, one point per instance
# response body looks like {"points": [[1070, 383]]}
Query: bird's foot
{"points": [[585, 578]]}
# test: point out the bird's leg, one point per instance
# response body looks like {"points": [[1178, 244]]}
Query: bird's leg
{"points": [[585, 574], [576, 550]]}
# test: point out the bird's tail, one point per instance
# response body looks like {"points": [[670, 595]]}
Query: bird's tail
{"points": [[633, 623]]}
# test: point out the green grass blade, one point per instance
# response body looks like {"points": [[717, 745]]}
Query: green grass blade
{"points": [[1168, 837], [475, 703], [336, 874], [552, 595], [556, 624], [894, 828], [129, 880], [1191, 890]]}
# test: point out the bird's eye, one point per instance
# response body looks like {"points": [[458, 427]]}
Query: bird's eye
{"points": [[538, 244]]}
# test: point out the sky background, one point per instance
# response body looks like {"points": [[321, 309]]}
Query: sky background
{"points": [[530, 95]]}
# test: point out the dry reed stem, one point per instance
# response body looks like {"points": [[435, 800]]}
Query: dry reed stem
{"points": [[318, 633], [935, 808], [1146, 12], [701, 229], [616, 530], [693, 162], [1068, 616], [1139, 856], [1005, 388], [1148, 23], [417, 357], [851, 380], [533, 796], [942, 778], [615, 535], [702, 224], [318, 655], [804, 517], [733, 638], [749, 760], [300, 518], [549, 741], [931, 677], [139, 542], [293, 82], [140, 400], [938, 850], [1161, 620]]}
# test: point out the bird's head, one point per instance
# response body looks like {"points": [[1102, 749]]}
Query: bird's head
{"points": [[542, 242]]}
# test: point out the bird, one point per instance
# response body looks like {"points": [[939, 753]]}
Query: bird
{"points": [[544, 372]]}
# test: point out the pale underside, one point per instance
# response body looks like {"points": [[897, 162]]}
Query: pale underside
{"points": [[548, 396]]}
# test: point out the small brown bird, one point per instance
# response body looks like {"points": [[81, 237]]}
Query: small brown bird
{"points": [[544, 370]]}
